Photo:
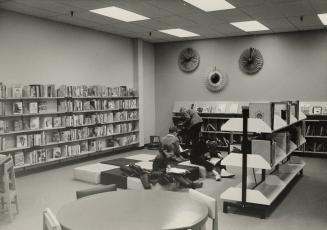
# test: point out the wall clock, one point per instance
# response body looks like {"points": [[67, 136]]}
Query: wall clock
{"points": [[251, 61], [216, 80], [188, 60]]}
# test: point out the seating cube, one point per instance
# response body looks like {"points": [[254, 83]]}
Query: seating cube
{"points": [[91, 173], [120, 161], [202, 170], [142, 157]]}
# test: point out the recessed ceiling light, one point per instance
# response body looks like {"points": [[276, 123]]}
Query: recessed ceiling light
{"points": [[179, 33], [323, 18], [119, 14], [249, 26], [211, 5]]}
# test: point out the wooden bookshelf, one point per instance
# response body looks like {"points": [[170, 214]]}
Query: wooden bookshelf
{"points": [[80, 132]]}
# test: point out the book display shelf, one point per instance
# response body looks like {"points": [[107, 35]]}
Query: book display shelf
{"points": [[214, 115], [316, 129], [42, 125], [272, 131]]}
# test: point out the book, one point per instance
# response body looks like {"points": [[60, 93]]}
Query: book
{"points": [[2, 126], [34, 122], [19, 158], [264, 148], [47, 123], [18, 108], [261, 111], [17, 92], [56, 152], [18, 125], [33, 107], [93, 146], [214, 160], [21, 141], [281, 139], [233, 108], [43, 107], [57, 122]]}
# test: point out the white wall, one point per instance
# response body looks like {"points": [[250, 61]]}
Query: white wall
{"points": [[34, 50], [149, 91], [294, 68]]}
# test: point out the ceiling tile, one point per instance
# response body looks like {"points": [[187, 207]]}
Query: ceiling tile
{"points": [[277, 23], [229, 29], [73, 21], [283, 30], [152, 24], [320, 6], [203, 18], [110, 29], [297, 8], [204, 30], [84, 4], [176, 21], [175, 6], [232, 15], [97, 18], [24, 9], [55, 7], [311, 28], [141, 7], [308, 21], [241, 3], [263, 11]]}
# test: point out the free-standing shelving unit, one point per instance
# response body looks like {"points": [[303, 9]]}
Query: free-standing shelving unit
{"points": [[104, 117], [276, 175]]}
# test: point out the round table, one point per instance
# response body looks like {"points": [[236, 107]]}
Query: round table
{"points": [[137, 210]]}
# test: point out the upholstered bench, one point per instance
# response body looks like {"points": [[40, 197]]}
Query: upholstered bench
{"points": [[202, 170], [120, 161], [91, 173]]}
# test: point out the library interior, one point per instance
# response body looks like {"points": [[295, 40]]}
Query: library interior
{"points": [[163, 114]]}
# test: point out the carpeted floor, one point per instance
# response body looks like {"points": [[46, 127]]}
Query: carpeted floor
{"points": [[303, 207]]}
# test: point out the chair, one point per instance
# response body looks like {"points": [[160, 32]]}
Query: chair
{"points": [[50, 221], [208, 201], [8, 194], [154, 143], [96, 190]]}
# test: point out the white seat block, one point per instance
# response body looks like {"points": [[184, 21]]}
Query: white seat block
{"points": [[91, 173], [145, 165], [142, 157], [202, 170], [134, 183]]}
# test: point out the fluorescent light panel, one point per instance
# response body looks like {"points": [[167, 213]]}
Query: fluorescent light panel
{"points": [[211, 5], [119, 14], [249, 26], [179, 33], [323, 18]]}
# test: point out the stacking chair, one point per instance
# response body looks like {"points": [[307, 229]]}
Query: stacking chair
{"points": [[210, 202], [96, 190], [8, 192], [50, 221]]}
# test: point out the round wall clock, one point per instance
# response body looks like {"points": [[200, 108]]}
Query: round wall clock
{"points": [[216, 81], [188, 60], [251, 61]]}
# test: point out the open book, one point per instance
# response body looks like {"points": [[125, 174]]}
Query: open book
{"points": [[214, 160], [176, 170]]}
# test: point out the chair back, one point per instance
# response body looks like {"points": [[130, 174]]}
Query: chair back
{"points": [[210, 202], [8, 178], [50, 221], [96, 190]]}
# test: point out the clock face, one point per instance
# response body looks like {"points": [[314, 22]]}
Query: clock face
{"points": [[188, 60]]}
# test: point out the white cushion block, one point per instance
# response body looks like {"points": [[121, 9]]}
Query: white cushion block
{"points": [[202, 170], [91, 173], [142, 157], [145, 165]]}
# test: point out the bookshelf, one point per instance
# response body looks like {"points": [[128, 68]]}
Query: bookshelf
{"points": [[214, 114], [272, 132], [316, 129], [41, 125]]}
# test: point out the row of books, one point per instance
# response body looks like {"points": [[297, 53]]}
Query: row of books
{"points": [[33, 123], [95, 104], [19, 107], [37, 90], [310, 109], [43, 155], [316, 129], [316, 146]]}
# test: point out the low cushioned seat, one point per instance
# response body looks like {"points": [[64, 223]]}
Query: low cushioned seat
{"points": [[147, 165], [142, 157], [202, 170], [118, 177], [120, 161], [91, 173]]}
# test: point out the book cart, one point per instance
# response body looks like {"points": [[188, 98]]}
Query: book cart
{"points": [[282, 126], [41, 125]]}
